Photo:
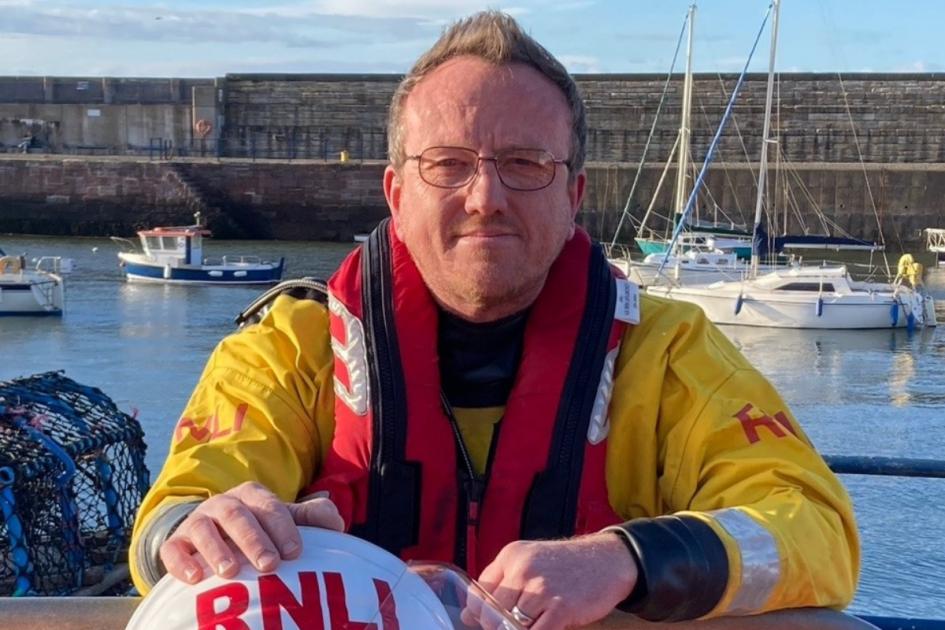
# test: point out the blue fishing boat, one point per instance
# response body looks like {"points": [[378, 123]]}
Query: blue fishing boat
{"points": [[174, 255]]}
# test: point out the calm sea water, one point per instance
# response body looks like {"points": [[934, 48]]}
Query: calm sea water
{"points": [[856, 393]]}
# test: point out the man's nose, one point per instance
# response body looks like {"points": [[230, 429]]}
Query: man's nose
{"points": [[486, 193]]}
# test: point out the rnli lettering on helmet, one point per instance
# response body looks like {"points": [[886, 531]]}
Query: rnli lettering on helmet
{"points": [[338, 582], [227, 605]]}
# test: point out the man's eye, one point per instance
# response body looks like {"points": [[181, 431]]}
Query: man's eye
{"points": [[520, 162]]}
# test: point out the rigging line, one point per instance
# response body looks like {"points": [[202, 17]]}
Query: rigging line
{"points": [[779, 176], [656, 191], [809, 197], [713, 146], [859, 153], [828, 19], [738, 131], [728, 177], [866, 178], [649, 139]]}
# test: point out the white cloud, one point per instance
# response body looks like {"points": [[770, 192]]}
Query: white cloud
{"points": [[285, 26], [429, 9], [581, 64]]}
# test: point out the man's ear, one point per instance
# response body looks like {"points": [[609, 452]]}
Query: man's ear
{"points": [[392, 189], [576, 190]]}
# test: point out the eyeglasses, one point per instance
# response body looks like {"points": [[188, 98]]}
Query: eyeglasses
{"points": [[518, 169]]}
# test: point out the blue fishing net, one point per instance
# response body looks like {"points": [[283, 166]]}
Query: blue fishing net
{"points": [[72, 475]]}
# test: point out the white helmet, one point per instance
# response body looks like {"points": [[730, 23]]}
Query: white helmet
{"points": [[338, 582]]}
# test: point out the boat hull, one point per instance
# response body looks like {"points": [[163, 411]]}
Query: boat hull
{"points": [[808, 311], [29, 296], [232, 274], [651, 246]]}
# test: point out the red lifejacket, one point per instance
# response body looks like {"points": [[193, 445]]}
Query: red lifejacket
{"points": [[392, 465]]}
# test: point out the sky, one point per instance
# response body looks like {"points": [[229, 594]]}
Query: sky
{"points": [[211, 38]]}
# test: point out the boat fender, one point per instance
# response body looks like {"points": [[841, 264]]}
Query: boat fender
{"points": [[819, 307], [167, 272], [738, 303], [894, 313], [910, 322]]}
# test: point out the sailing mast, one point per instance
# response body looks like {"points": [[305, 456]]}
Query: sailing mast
{"points": [[763, 162], [682, 164]]}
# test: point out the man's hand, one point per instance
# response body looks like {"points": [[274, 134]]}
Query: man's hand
{"points": [[249, 521], [562, 584]]}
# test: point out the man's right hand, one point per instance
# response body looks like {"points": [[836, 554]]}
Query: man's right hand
{"points": [[249, 521]]}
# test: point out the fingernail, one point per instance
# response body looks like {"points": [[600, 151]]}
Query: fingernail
{"points": [[290, 548], [191, 574], [266, 560], [224, 567]]}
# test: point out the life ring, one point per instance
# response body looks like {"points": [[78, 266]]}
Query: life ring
{"points": [[13, 264], [203, 127]]}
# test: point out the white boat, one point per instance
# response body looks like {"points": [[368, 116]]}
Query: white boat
{"points": [[808, 297], [805, 296], [688, 268], [174, 255], [32, 291]]}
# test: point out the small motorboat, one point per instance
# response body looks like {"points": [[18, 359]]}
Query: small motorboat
{"points": [[174, 255], [32, 291]]}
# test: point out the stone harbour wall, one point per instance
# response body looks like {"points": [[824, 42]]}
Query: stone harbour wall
{"points": [[315, 200]]}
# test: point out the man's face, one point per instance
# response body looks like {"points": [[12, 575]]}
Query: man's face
{"points": [[484, 250]]}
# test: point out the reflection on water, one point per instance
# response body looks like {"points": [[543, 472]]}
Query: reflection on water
{"points": [[935, 283], [855, 392], [851, 366], [879, 392]]}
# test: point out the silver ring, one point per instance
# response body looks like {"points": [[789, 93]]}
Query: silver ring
{"points": [[523, 619]]}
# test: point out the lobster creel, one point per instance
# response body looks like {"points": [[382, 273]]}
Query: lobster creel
{"points": [[72, 475]]}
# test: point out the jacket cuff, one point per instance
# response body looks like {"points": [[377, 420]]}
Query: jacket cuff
{"points": [[159, 529], [683, 565]]}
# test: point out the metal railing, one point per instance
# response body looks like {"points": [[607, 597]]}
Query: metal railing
{"points": [[891, 467]]}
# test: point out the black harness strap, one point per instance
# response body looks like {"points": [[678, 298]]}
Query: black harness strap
{"points": [[551, 508], [393, 505]]}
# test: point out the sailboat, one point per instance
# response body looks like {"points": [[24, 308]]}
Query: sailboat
{"points": [[702, 237], [701, 253], [802, 296]]}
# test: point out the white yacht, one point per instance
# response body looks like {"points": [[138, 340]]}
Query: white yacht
{"points": [[32, 291]]}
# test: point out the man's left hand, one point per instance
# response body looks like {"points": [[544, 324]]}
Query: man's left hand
{"points": [[562, 583]]}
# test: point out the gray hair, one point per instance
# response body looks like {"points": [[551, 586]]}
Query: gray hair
{"points": [[497, 38]]}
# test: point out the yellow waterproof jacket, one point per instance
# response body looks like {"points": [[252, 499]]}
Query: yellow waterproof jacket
{"points": [[694, 431]]}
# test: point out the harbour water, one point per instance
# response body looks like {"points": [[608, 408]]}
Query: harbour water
{"points": [[855, 392]]}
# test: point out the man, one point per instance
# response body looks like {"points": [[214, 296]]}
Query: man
{"points": [[495, 402]]}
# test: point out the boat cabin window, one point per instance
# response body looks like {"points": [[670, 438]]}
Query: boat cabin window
{"points": [[807, 286], [154, 242]]}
